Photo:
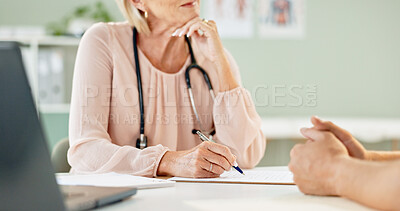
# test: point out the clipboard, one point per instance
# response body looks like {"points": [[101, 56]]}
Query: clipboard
{"points": [[258, 177]]}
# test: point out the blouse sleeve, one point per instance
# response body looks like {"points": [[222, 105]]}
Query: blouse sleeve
{"points": [[237, 123], [91, 148]]}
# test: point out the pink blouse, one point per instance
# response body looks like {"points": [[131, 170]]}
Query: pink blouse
{"points": [[105, 116]]}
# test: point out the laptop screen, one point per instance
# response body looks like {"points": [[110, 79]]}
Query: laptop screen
{"points": [[27, 179]]}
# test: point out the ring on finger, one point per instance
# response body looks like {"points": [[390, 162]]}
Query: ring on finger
{"points": [[204, 21], [210, 170]]}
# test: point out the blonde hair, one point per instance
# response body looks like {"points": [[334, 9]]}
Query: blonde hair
{"points": [[133, 16]]}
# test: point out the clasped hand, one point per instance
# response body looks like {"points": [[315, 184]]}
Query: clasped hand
{"points": [[314, 163]]}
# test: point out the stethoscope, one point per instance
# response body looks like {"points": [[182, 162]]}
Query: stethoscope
{"points": [[141, 142]]}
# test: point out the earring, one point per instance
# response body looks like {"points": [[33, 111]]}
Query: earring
{"points": [[146, 15]]}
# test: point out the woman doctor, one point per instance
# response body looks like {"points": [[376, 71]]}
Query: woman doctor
{"points": [[105, 108]]}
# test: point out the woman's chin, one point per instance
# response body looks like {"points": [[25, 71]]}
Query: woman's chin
{"points": [[186, 18], [193, 15], [189, 12]]}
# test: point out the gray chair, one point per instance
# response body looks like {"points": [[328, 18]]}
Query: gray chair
{"points": [[59, 156]]}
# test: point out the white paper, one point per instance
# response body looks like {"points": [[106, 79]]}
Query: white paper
{"points": [[251, 176], [112, 180]]}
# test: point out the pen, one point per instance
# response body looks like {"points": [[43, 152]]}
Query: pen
{"points": [[204, 138]]}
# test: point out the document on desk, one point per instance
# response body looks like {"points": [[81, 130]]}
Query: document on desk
{"points": [[250, 177], [112, 180]]}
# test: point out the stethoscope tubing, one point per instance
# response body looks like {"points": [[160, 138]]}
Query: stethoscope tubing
{"points": [[193, 65], [139, 80]]}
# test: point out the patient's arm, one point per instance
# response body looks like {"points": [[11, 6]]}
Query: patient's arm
{"points": [[375, 184], [322, 166], [354, 147]]}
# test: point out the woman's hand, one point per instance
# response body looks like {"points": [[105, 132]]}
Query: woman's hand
{"points": [[354, 147], [204, 161], [205, 34], [315, 164]]}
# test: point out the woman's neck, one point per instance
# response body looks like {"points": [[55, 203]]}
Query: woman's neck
{"points": [[165, 52]]}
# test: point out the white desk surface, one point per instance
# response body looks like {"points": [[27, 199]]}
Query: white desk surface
{"points": [[368, 130], [241, 197]]}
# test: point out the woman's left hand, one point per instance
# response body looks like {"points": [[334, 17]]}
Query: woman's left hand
{"points": [[205, 34]]}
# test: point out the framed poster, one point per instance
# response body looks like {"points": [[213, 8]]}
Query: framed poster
{"points": [[281, 19], [234, 18]]}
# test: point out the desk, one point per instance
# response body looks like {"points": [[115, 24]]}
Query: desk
{"points": [[202, 196]]}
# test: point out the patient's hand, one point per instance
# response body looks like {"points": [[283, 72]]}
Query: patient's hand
{"points": [[314, 164], [354, 147]]}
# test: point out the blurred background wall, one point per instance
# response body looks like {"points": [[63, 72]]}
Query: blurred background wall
{"points": [[350, 53]]}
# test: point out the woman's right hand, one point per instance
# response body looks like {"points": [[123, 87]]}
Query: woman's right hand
{"points": [[354, 147], [206, 160]]}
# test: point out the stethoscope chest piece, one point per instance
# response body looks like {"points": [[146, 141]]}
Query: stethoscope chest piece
{"points": [[141, 142]]}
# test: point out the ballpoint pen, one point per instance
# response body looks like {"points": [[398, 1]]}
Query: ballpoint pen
{"points": [[204, 138]]}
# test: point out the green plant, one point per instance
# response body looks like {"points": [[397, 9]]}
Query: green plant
{"points": [[97, 12], [101, 13]]}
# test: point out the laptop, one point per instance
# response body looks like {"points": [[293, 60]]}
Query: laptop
{"points": [[27, 180]]}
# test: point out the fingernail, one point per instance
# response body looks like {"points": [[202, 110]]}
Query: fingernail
{"points": [[317, 117], [235, 164], [176, 32], [180, 34]]}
